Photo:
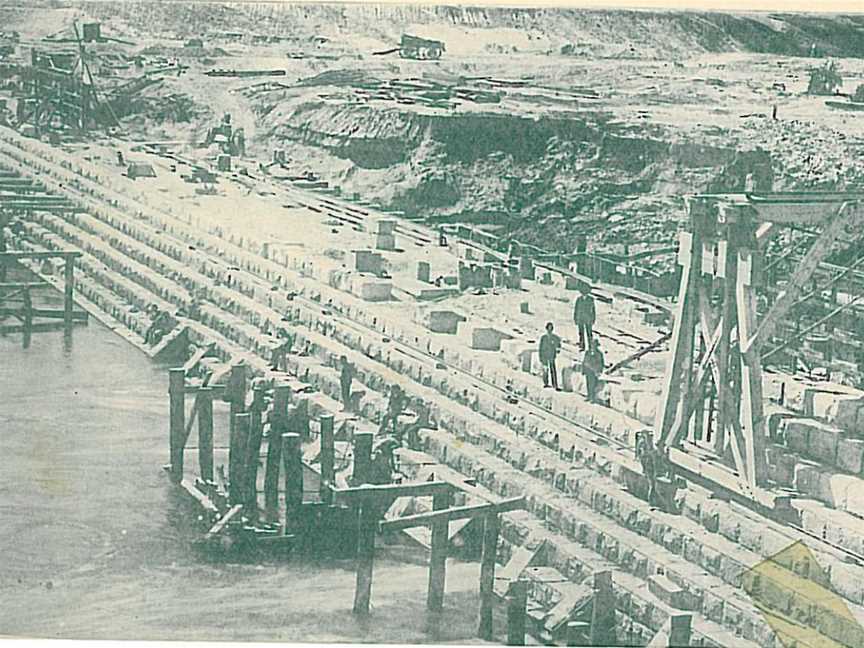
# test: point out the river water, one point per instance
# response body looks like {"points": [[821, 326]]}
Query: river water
{"points": [[95, 544]]}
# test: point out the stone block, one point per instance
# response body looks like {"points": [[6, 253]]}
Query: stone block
{"points": [[385, 242], [781, 465], [374, 290], [368, 261], [853, 495], [850, 455], [822, 443], [806, 478], [424, 271], [842, 408], [486, 338], [442, 321], [671, 594], [386, 226], [796, 432], [526, 268]]}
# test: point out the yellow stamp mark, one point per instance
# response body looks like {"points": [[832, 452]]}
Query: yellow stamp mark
{"points": [[793, 593]]}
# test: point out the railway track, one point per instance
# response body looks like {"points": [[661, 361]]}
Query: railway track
{"points": [[588, 434]]}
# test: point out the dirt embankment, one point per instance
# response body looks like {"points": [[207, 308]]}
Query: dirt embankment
{"points": [[570, 175]]}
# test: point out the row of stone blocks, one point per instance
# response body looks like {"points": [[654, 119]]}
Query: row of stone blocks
{"points": [[333, 386]]}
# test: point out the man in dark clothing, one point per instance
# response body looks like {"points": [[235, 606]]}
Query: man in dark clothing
{"points": [[592, 367], [584, 315], [550, 345], [346, 375], [395, 406]]}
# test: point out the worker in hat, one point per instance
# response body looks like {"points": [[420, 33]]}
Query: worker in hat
{"points": [[550, 346], [584, 316]]}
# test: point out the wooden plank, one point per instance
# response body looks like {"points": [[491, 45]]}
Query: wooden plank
{"points": [[438, 556], [237, 446], [222, 523], [205, 433], [362, 457], [451, 514], [603, 610], [488, 558], [517, 604], [519, 561], [253, 452], [292, 464], [804, 269], [23, 254], [327, 458], [752, 413], [22, 285], [27, 320], [176, 421], [373, 492], [36, 327], [281, 393], [367, 522], [205, 502], [573, 598], [682, 335], [68, 287]]}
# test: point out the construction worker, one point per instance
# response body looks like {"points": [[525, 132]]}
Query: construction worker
{"points": [[160, 325], [395, 406], [346, 376], [383, 461], [593, 364], [646, 454], [550, 345], [584, 315]]}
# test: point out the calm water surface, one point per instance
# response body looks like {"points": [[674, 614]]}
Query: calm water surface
{"points": [[93, 542]]}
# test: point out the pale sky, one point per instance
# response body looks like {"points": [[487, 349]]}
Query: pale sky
{"points": [[809, 6]]}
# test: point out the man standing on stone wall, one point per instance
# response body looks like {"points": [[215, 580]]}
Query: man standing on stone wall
{"points": [[346, 376], [550, 345], [593, 365], [584, 315]]}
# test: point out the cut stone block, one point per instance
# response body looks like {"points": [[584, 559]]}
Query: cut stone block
{"points": [[526, 268], [424, 271], [385, 242], [368, 261], [374, 290], [385, 226], [822, 444], [850, 455], [486, 338], [441, 321], [841, 408], [796, 431]]}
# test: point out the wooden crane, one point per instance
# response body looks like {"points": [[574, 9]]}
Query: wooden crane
{"points": [[712, 392]]}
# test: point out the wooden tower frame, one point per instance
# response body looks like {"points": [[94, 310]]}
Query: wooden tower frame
{"points": [[712, 391]]}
